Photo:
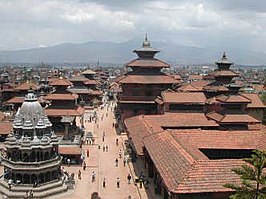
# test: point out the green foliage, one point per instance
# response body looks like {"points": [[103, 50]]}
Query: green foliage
{"points": [[252, 176]]}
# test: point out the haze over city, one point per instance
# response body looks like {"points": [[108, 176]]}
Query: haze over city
{"points": [[197, 30]]}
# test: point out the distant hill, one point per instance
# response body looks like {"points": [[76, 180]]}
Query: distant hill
{"points": [[120, 53]]}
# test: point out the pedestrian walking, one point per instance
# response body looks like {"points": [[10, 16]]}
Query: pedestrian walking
{"points": [[120, 153], [124, 161], [88, 153], [104, 133], [113, 124], [116, 162], [92, 141], [84, 166], [93, 175], [104, 182], [68, 162], [79, 175], [87, 141], [128, 178], [103, 138], [116, 141], [106, 148], [118, 183], [103, 148]]}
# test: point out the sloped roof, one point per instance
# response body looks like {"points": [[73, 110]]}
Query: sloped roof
{"points": [[147, 63], [60, 82], [79, 78], [15, 100], [224, 73], [147, 79], [185, 169], [26, 86], [233, 99], [88, 72], [69, 150], [5, 127], [52, 112], [63, 96], [255, 100], [232, 118], [183, 97], [143, 125]]}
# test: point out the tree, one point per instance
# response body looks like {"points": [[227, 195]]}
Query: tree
{"points": [[253, 178]]}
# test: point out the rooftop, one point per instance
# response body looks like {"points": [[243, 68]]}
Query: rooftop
{"points": [[183, 97], [185, 169]]}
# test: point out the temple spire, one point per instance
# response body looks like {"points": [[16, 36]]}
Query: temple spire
{"points": [[224, 63], [146, 51], [146, 42]]}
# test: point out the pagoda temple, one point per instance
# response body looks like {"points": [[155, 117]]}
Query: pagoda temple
{"points": [[226, 105], [63, 108], [223, 76], [31, 161], [143, 83], [85, 88]]}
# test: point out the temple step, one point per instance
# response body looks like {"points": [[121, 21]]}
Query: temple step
{"points": [[43, 191]]}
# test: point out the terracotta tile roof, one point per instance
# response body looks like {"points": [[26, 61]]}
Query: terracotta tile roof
{"points": [[170, 159], [63, 96], [69, 150], [137, 129], [209, 176], [195, 77], [183, 97], [147, 79], [60, 82], [255, 100], [15, 100], [185, 169], [79, 78], [194, 86], [233, 99], [5, 127], [188, 88], [258, 87], [177, 120], [26, 86], [143, 125], [232, 118], [217, 139], [200, 83], [216, 88], [91, 82], [224, 73], [178, 77], [147, 63], [52, 112], [88, 72]]}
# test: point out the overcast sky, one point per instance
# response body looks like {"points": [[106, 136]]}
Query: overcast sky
{"points": [[239, 24]]}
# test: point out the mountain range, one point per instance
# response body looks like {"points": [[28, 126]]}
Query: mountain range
{"points": [[120, 53]]}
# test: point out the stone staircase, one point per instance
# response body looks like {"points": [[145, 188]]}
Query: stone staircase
{"points": [[43, 191]]}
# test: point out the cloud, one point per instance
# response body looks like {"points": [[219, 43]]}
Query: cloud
{"points": [[239, 24]]}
